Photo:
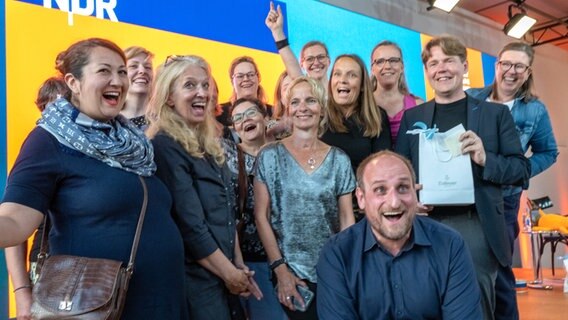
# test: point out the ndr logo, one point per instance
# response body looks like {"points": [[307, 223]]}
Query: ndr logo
{"points": [[99, 7]]}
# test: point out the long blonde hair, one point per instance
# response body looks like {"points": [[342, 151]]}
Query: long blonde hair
{"points": [[199, 140]]}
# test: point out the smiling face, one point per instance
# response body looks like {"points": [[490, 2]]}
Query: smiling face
{"points": [[510, 81], [101, 91], [190, 95], [388, 197], [248, 122], [445, 74], [315, 61], [304, 108], [245, 80], [140, 74], [346, 80], [385, 67]]}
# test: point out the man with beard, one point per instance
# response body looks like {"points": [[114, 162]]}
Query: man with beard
{"points": [[393, 263], [493, 145]]}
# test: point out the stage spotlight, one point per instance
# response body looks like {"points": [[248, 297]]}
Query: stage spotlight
{"points": [[518, 25], [446, 5]]}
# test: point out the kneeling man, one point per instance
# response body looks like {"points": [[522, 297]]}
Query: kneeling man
{"points": [[394, 264]]}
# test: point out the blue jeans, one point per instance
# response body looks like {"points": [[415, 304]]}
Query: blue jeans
{"points": [[268, 307], [505, 294]]}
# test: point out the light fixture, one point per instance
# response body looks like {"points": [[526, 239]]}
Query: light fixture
{"points": [[518, 23], [446, 5]]}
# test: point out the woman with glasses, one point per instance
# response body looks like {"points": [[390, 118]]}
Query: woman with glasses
{"points": [[302, 191], [514, 87], [390, 88], [314, 56], [245, 79], [192, 164], [249, 122], [82, 165]]}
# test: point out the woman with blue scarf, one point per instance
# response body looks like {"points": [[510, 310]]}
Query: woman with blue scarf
{"points": [[81, 166]]}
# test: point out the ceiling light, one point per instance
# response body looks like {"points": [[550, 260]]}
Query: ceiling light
{"points": [[446, 5], [518, 25]]}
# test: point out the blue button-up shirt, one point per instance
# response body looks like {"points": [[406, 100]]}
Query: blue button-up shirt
{"points": [[431, 278]]}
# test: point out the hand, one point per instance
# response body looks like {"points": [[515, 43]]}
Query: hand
{"points": [[237, 282], [252, 286], [23, 304], [275, 22], [473, 145], [423, 209], [287, 283]]}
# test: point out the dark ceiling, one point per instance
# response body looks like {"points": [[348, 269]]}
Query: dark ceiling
{"points": [[551, 15]]}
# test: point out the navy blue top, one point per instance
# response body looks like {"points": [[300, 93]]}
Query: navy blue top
{"points": [[94, 209], [431, 278], [203, 204]]}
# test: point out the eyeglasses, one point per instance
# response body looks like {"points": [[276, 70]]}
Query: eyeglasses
{"points": [[242, 76], [240, 117], [519, 67], [381, 62], [319, 58], [174, 57]]}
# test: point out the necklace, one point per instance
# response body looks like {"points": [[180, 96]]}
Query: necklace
{"points": [[312, 163]]}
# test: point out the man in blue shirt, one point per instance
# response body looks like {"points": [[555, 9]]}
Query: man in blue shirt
{"points": [[394, 264]]}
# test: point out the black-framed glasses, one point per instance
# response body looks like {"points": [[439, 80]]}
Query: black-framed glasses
{"points": [[381, 62], [519, 67], [240, 117], [242, 76], [174, 57], [320, 58]]}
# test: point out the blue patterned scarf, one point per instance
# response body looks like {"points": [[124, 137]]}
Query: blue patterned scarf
{"points": [[118, 143]]}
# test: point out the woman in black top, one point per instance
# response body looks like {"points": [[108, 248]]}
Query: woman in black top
{"points": [[355, 124]]}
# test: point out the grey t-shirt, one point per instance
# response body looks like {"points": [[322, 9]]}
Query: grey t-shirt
{"points": [[304, 207]]}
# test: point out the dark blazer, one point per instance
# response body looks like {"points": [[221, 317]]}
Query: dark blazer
{"points": [[505, 162]]}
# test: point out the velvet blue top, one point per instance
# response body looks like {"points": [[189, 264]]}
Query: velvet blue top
{"points": [[431, 278], [94, 210]]}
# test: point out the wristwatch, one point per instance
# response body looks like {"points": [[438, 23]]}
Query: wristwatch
{"points": [[276, 263]]}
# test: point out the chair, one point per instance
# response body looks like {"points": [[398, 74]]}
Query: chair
{"points": [[552, 237]]}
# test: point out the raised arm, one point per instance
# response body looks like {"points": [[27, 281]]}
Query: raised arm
{"points": [[275, 22]]}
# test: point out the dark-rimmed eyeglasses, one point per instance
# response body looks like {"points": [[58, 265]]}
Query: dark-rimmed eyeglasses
{"points": [[320, 58], [240, 117], [381, 62], [242, 76], [519, 67]]}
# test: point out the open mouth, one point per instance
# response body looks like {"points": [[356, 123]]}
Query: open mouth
{"points": [[199, 106], [343, 91], [142, 81], [393, 216], [249, 127], [111, 97]]}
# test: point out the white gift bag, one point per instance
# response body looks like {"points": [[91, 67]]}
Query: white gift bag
{"points": [[445, 173]]}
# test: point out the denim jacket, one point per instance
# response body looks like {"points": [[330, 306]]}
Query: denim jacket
{"points": [[535, 130]]}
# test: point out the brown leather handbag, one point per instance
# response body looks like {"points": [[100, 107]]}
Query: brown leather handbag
{"points": [[73, 287]]}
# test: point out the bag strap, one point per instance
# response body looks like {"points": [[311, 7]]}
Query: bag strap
{"points": [[243, 183], [130, 267], [43, 252]]}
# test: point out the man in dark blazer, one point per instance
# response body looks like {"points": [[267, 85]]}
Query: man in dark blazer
{"points": [[493, 144]]}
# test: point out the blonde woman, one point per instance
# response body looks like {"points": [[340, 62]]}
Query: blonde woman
{"points": [[191, 163], [302, 185]]}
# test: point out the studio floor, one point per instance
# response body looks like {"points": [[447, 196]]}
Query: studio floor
{"points": [[543, 304]]}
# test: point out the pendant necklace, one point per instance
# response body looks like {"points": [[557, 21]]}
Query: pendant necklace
{"points": [[312, 163]]}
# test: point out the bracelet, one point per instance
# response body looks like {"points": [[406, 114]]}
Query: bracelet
{"points": [[28, 286], [275, 264], [281, 44]]}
